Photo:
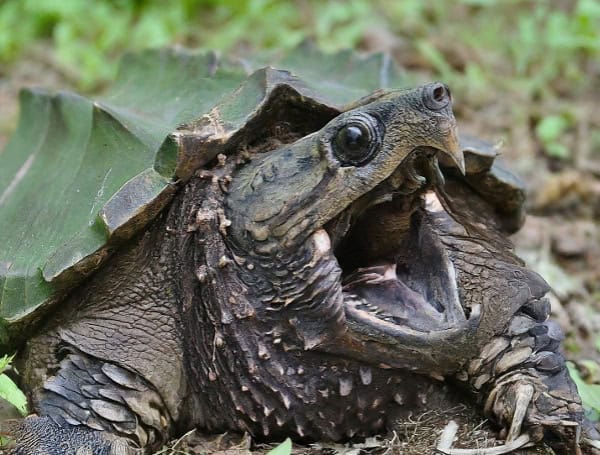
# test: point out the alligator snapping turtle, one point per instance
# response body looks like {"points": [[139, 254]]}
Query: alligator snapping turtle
{"points": [[306, 268]]}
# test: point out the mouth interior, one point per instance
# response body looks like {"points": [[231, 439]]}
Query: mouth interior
{"points": [[396, 272]]}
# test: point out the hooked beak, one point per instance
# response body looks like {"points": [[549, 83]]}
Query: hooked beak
{"points": [[450, 147]]}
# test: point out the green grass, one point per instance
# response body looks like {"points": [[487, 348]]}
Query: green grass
{"points": [[534, 43]]}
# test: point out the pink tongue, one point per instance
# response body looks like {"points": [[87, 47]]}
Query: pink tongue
{"points": [[379, 285]]}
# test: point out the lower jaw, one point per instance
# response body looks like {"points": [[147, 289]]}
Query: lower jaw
{"points": [[391, 320], [397, 273]]}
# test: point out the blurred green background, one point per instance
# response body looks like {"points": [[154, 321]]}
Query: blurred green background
{"points": [[543, 54], [523, 72]]}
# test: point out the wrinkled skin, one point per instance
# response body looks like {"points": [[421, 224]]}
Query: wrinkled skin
{"points": [[306, 290]]}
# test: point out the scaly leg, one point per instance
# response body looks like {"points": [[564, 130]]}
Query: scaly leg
{"points": [[41, 436], [92, 407]]}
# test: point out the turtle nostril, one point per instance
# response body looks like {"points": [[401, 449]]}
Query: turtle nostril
{"points": [[436, 96], [439, 93]]}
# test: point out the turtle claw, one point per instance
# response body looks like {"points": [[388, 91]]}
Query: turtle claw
{"points": [[445, 444], [524, 396]]}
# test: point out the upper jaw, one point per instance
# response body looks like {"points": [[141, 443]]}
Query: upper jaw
{"points": [[397, 195]]}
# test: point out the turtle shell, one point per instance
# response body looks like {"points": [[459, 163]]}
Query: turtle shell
{"points": [[491, 178], [82, 176]]}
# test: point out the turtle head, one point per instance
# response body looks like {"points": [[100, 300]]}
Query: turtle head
{"points": [[356, 243], [282, 197], [317, 213]]}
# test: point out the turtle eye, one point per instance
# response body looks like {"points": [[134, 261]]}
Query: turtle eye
{"points": [[356, 142], [436, 96]]}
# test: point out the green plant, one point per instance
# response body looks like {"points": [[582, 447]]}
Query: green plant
{"points": [[549, 131], [86, 38], [528, 46], [285, 448], [9, 391], [590, 393]]}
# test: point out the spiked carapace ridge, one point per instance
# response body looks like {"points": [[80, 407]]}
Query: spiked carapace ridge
{"points": [[297, 259]]}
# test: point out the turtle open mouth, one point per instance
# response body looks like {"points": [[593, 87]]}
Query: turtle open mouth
{"points": [[397, 275]]}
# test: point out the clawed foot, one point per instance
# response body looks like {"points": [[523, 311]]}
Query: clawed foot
{"points": [[554, 415], [579, 442], [586, 446], [524, 386]]}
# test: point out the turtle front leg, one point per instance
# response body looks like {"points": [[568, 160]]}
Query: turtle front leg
{"points": [[524, 384], [93, 407], [42, 436]]}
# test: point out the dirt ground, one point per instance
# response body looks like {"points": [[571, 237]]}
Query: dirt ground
{"points": [[560, 240]]}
